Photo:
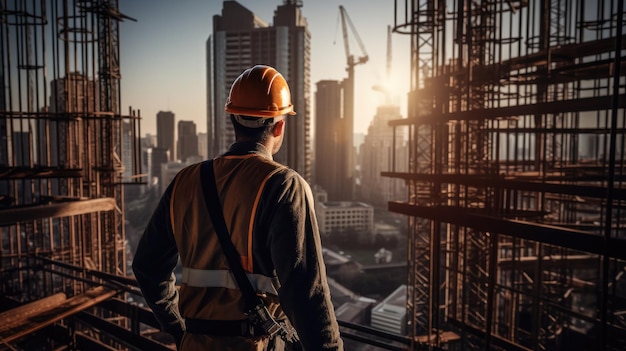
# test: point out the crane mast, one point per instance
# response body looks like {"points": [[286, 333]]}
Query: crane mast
{"points": [[348, 94]]}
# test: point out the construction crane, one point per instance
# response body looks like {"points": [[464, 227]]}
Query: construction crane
{"points": [[348, 84], [346, 43], [348, 93]]}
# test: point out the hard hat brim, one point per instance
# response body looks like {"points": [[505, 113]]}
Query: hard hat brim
{"points": [[260, 113]]}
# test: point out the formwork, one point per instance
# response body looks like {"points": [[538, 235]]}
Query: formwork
{"points": [[517, 186]]}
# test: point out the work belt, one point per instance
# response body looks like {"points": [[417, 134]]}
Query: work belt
{"points": [[222, 328]]}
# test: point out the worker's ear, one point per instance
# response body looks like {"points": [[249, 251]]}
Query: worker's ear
{"points": [[279, 128]]}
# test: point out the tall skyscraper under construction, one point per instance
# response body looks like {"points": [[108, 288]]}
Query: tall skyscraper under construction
{"points": [[240, 40]]}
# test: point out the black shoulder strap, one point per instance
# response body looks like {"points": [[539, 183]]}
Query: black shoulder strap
{"points": [[257, 311], [214, 205]]}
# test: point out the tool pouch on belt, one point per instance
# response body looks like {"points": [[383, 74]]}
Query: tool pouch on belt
{"points": [[262, 318], [257, 313]]}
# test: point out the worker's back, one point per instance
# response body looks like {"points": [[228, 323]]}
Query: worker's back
{"points": [[239, 181]]}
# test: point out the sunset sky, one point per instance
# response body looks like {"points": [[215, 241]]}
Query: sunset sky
{"points": [[163, 55]]}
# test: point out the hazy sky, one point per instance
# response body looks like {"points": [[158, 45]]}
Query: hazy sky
{"points": [[163, 56]]}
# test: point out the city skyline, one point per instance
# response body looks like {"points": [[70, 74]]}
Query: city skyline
{"points": [[177, 53]]}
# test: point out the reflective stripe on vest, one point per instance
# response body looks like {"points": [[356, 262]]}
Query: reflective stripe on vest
{"points": [[203, 278]]}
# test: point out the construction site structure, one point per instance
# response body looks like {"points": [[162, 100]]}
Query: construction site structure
{"points": [[66, 155], [517, 174], [66, 152]]}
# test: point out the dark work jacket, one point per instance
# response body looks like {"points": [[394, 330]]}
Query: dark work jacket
{"points": [[269, 211]]}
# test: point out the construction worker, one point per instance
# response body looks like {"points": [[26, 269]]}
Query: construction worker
{"points": [[268, 209]]}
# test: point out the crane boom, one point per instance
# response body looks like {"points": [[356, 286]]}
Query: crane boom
{"points": [[345, 19]]}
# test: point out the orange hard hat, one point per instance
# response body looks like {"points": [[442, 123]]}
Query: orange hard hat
{"points": [[260, 91]]}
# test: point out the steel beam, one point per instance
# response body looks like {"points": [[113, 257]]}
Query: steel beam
{"points": [[512, 183], [552, 107], [548, 234]]}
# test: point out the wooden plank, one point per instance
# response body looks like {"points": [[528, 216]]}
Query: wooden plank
{"points": [[29, 324], [25, 311], [443, 335], [71, 208]]}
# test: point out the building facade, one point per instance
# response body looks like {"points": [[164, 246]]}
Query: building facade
{"points": [[390, 314], [187, 144], [333, 142], [376, 157], [75, 93], [339, 216], [156, 157], [240, 40], [203, 145], [165, 132]]}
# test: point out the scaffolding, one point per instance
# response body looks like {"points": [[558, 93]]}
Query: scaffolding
{"points": [[62, 169], [517, 174]]}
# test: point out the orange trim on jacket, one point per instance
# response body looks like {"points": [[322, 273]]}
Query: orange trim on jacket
{"points": [[240, 182]]}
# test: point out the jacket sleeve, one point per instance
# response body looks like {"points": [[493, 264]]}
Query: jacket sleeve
{"points": [[296, 253], [153, 265]]}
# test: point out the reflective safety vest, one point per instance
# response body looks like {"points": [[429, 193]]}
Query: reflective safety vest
{"points": [[208, 289]]}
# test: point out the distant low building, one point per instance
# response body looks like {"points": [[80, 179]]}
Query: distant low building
{"points": [[357, 311], [390, 314], [337, 216]]}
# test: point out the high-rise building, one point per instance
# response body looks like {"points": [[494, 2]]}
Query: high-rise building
{"points": [[74, 93], [375, 157], [165, 132], [333, 143], [203, 145], [157, 157], [240, 40], [187, 144]]}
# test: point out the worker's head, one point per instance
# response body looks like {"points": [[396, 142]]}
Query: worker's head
{"points": [[258, 102]]}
